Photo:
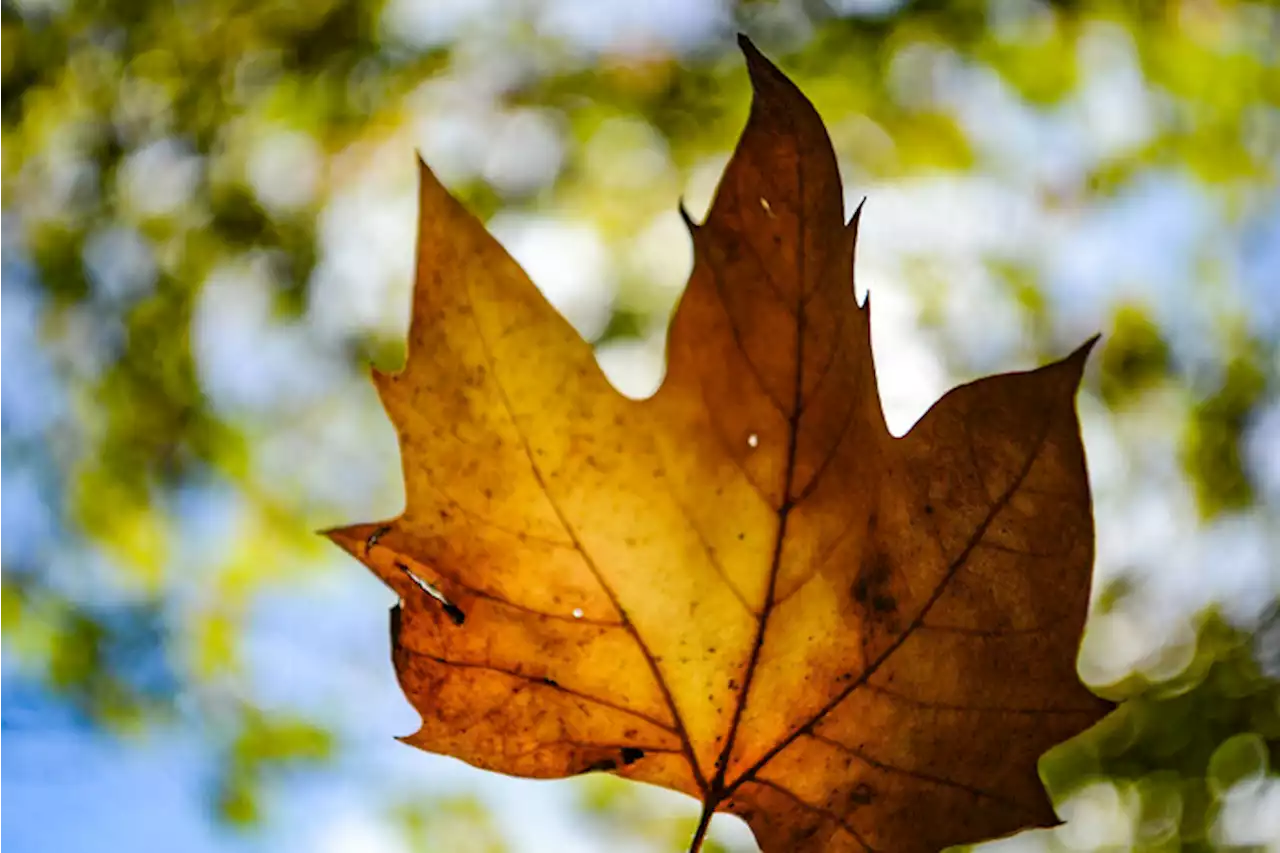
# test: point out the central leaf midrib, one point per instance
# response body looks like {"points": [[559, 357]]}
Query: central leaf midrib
{"points": [[717, 791]]}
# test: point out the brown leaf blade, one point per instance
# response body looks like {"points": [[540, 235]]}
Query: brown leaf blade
{"points": [[743, 588]]}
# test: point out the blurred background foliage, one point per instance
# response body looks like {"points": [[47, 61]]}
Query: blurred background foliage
{"points": [[208, 211]]}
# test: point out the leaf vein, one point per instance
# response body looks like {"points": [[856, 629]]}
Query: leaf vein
{"points": [[784, 511], [716, 566], [975, 709], [729, 452], [650, 660], [958, 563], [742, 348], [923, 777], [476, 592], [542, 681], [818, 810]]}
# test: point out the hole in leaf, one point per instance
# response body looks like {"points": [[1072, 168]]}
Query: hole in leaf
{"points": [[453, 611], [375, 536], [577, 613], [753, 440]]}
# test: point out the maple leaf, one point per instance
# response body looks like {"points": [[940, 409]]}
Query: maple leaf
{"points": [[744, 587]]}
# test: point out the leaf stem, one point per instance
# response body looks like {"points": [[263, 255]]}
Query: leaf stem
{"points": [[704, 822]]}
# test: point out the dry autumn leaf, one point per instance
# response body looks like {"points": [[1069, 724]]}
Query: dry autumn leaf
{"points": [[743, 588]]}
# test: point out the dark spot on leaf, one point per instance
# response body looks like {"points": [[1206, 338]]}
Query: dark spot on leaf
{"points": [[631, 754], [550, 682], [884, 604], [873, 577], [603, 765], [928, 509], [454, 612], [862, 795], [861, 591]]}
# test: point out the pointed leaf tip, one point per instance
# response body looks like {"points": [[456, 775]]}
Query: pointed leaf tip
{"points": [[348, 538], [761, 69], [396, 616], [1081, 353], [687, 218], [335, 534], [1073, 364], [851, 227], [780, 103], [857, 214], [851, 231], [425, 174]]}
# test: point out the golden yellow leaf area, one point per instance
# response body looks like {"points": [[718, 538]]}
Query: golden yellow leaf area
{"points": [[743, 588]]}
